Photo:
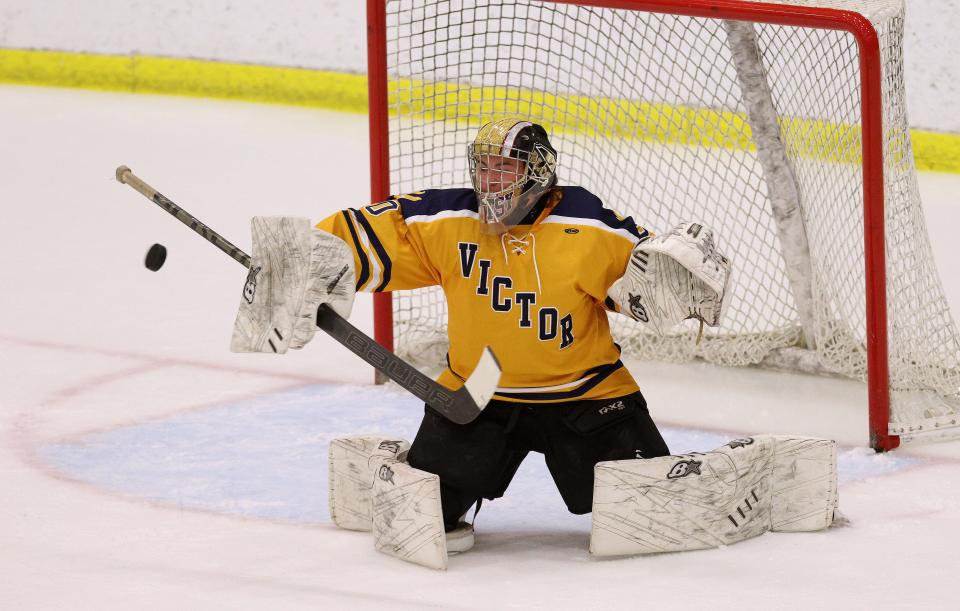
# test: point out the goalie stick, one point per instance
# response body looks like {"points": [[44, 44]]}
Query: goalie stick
{"points": [[461, 406]]}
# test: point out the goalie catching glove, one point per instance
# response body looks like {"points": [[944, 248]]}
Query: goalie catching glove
{"points": [[294, 269], [673, 277]]}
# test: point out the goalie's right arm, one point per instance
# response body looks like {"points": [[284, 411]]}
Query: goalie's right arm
{"points": [[673, 277], [295, 267]]}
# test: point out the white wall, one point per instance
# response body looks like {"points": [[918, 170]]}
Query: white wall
{"points": [[330, 34], [932, 54], [326, 34]]}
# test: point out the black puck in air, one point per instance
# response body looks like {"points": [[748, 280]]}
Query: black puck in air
{"points": [[155, 257]]}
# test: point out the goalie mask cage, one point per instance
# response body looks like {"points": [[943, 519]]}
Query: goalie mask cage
{"points": [[780, 125]]}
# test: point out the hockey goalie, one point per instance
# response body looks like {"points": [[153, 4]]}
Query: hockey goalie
{"points": [[531, 268]]}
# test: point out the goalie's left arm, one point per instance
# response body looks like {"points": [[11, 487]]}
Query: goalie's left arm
{"points": [[673, 277]]}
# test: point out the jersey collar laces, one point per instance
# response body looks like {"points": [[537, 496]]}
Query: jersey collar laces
{"points": [[518, 246]]}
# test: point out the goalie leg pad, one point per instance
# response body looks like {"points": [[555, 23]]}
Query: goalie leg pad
{"points": [[354, 462], [678, 503], [804, 484], [407, 518], [698, 501]]}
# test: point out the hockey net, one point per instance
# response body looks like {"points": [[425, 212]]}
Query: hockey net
{"points": [[736, 124]]}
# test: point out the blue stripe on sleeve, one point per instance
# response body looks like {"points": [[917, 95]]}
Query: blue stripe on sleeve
{"points": [[364, 263], [380, 250]]}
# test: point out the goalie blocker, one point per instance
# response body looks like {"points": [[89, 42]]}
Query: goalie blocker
{"points": [[294, 269]]}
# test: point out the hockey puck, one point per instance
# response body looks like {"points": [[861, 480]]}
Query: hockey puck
{"points": [[155, 257]]}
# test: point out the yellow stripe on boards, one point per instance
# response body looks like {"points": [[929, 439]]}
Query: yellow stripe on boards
{"points": [[663, 123], [935, 152], [188, 77]]}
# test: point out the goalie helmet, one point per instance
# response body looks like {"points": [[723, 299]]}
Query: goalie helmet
{"points": [[511, 166]]}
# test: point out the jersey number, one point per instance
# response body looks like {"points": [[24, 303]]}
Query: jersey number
{"points": [[393, 203]]}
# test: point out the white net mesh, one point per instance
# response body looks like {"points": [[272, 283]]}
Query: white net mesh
{"points": [[647, 112]]}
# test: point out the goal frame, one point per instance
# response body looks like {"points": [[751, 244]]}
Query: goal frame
{"points": [[868, 43]]}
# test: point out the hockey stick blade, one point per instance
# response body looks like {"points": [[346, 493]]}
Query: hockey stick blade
{"points": [[461, 406]]}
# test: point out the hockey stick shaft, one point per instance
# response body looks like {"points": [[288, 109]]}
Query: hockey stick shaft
{"points": [[461, 406], [127, 177]]}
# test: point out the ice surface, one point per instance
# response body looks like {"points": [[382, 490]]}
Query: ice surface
{"points": [[144, 466]]}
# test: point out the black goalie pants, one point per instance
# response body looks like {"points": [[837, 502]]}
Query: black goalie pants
{"points": [[478, 460]]}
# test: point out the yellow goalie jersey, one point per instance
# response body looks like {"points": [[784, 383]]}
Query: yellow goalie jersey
{"points": [[536, 295]]}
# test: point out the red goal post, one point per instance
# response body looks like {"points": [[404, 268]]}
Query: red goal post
{"points": [[796, 14]]}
